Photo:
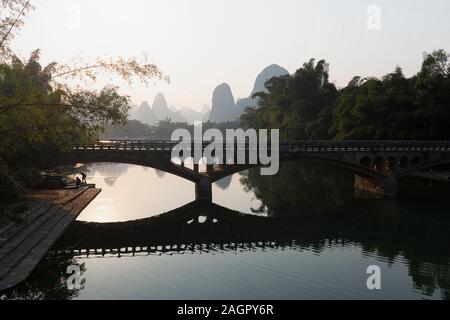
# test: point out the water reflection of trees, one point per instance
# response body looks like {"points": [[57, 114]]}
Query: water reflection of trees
{"points": [[412, 232], [300, 188], [224, 183], [160, 174], [48, 281]]}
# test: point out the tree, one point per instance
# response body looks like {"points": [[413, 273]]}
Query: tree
{"points": [[39, 117], [296, 104], [40, 114], [376, 109], [11, 19], [306, 106], [396, 107], [432, 89]]}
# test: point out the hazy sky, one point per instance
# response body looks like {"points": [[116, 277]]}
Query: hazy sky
{"points": [[202, 43]]}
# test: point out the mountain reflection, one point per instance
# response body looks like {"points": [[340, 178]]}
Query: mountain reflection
{"points": [[109, 171]]}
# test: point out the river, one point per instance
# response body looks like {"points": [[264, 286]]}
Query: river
{"points": [[319, 246]]}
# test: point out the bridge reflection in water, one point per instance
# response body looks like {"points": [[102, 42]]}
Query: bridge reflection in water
{"points": [[388, 231], [198, 225], [204, 224]]}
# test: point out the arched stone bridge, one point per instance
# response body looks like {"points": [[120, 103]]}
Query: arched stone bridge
{"points": [[382, 162]]}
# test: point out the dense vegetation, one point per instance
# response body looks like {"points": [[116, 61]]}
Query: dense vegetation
{"points": [[305, 105]]}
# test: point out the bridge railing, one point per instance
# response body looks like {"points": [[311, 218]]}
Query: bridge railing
{"points": [[284, 146], [368, 146]]}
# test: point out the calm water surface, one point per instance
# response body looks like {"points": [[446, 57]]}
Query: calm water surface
{"points": [[132, 192], [338, 237]]}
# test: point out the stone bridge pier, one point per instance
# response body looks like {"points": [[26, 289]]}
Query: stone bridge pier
{"points": [[390, 186], [203, 190]]}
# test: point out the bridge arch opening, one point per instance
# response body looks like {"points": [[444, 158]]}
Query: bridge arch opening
{"points": [[390, 167], [131, 192], [419, 164], [378, 164], [365, 162], [364, 167], [416, 161], [403, 163]]}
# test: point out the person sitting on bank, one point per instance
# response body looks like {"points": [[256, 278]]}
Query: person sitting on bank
{"points": [[78, 182], [83, 177]]}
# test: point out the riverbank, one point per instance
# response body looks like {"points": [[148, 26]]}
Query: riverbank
{"points": [[24, 242]]}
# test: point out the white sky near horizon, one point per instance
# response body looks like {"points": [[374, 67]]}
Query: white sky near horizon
{"points": [[202, 43]]}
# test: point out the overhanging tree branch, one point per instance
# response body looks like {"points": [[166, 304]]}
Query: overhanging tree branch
{"points": [[26, 5]]}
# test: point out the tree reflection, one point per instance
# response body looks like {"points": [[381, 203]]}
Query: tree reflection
{"points": [[48, 281], [300, 188], [410, 231], [311, 208], [224, 183]]}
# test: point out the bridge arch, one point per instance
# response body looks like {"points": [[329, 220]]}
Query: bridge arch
{"points": [[367, 167], [366, 162], [391, 165], [378, 164], [161, 162], [420, 165], [404, 163], [416, 161], [359, 166]]}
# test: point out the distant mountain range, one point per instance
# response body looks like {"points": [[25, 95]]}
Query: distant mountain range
{"points": [[224, 107], [163, 112], [268, 73], [191, 115], [145, 114], [158, 111]]}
